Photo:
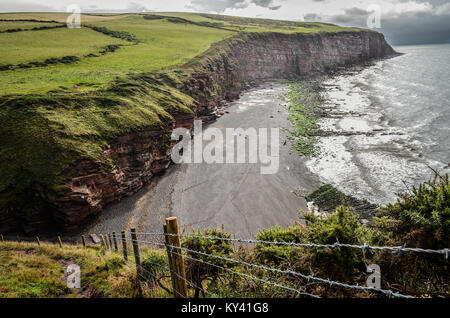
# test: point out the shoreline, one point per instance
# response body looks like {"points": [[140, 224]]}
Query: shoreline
{"points": [[364, 153], [205, 196]]}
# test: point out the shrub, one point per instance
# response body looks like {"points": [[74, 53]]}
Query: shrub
{"points": [[197, 272], [419, 219], [275, 255], [155, 268], [343, 226]]}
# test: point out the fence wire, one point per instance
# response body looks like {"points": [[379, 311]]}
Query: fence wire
{"points": [[171, 271], [309, 278], [249, 276], [337, 245], [227, 269]]}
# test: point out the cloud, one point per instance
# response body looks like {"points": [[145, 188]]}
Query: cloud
{"points": [[312, 17], [21, 6], [131, 7], [414, 23], [222, 5]]}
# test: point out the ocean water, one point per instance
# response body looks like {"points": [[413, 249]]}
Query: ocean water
{"points": [[389, 123]]}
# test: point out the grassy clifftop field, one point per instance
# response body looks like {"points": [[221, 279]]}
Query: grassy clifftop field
{"points": [[65, 94], [164, 40]]}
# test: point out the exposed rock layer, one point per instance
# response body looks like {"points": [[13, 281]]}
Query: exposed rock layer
{"points": [[221, 74]]}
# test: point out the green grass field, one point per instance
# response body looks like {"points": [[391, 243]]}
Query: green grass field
{"points": [[56, 113], [31, 271], [163, 44], [27, 46]]}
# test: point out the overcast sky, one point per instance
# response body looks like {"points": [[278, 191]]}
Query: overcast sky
{"points": [[402, 21]]}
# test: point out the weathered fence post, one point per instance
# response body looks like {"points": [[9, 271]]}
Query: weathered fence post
{"points": [[83, 239], [124, 246], [39, 242], [109, 241], [169, 256], [177, 259], [137, 257], [115, 242], [59, 242], [103, 240]]}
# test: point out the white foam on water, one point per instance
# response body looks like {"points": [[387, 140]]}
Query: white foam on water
{"points": [[367, 157]]}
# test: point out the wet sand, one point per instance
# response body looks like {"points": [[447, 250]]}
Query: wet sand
{"points": [[236, 196]]}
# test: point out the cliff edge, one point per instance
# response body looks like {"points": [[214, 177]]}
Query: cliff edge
{"points": [[84, 172]]}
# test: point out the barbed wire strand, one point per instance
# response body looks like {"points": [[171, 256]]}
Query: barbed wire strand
{"points": [[179, 276], [250, 276], [337, 245], [151, 274], [230, 270], [289, 272]]}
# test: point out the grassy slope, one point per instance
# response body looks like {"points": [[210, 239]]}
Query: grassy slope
{"points": [[41, 135], [30, 271]]}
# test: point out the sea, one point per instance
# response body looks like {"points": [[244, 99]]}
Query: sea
{"points": [[388, 125]]}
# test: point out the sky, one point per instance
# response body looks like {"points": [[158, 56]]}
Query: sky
{"points": [[402, 21]]}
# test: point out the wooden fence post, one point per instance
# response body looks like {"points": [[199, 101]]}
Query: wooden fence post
{"points": [[109, 241], [59, 242], [3, 239], [39, 242], [108, 246], [124, 246], [137, 257], [115, 242], [103, 240], [177, 260], [169, 256], [83, 239]]}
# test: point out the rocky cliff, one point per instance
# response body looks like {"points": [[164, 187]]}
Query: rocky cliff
{"points": [[219, 75]]}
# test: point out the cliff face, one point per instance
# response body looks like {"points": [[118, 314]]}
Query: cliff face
{"points": [[254, 57], [219, 75]]}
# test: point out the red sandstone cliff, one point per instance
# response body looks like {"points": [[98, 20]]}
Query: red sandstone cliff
{"points": [[219, 74]]}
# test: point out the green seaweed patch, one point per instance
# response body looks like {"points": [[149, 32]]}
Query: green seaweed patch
{"points": [[304, 102], [328, 198]]}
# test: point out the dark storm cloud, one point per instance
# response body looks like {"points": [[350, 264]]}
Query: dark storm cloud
{"points": [[419, 28], [222, 5], [406, 28]]}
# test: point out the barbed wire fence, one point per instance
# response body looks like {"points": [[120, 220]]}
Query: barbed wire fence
{"points": [[177, 254], [151, 273]]}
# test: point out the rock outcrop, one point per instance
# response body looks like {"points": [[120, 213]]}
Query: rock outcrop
{"points": [[219, 75]]}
